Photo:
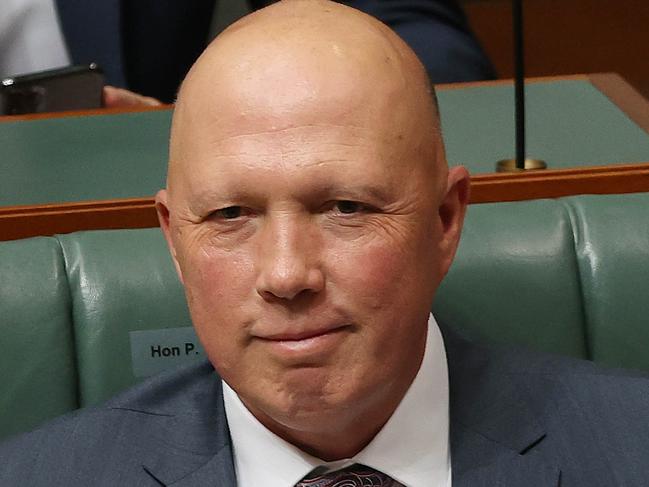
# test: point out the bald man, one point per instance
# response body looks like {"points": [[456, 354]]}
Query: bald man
{"points": [[311, 217], [306, 202]]}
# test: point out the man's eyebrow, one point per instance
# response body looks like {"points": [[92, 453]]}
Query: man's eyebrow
{"points": [[202, 201], [205, 200], [377, 193], [205, 196]]}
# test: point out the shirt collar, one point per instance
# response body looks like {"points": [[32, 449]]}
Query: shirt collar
{"points": [[412, 447]]}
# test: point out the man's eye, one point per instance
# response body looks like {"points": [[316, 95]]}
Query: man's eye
{"points": [[348, 207], [229, 213]]}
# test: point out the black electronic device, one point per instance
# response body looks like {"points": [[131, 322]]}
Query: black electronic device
{"points": [[55, 90]]}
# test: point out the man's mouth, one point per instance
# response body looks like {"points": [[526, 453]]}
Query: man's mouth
{"points": [[306, 342], [296, 336]]}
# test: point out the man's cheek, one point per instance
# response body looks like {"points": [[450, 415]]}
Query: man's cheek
{"points": [[210, 306], [215, 271], [216, 313], [375, 273]]}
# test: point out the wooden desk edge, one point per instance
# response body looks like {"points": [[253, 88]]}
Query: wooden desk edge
{"points": [[612, 179], [624, 96], [40, 220], [29, 221], [83, 113], [504, 82], [611, 85]]}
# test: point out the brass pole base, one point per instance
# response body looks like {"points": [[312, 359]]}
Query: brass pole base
{"points": [[509, 165]]}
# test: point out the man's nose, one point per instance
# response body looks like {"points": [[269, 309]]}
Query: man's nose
{"points": [[288, 261]]}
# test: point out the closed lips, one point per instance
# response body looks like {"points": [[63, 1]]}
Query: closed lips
{"points": [[303, 335]]}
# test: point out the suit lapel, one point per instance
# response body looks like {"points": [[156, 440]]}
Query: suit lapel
{"points": [[494, 434], [219, 471], [191, 444], [478, 461], [93, 33], [178, 469]]}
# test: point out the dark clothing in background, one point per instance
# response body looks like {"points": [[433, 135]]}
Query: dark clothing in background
{"points": [[148, 46]]}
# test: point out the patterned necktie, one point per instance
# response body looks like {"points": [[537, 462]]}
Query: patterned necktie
{"points": [[356, 475]]}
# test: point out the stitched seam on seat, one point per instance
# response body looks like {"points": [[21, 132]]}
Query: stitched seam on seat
{"points": [[75, 343], [577, 237]]}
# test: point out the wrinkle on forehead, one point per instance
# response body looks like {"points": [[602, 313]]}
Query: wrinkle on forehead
{"points": [[300, 63], [291, 133]]}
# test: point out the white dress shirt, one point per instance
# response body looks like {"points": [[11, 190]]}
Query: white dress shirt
{"points": [[412, 447], [30, 37]]}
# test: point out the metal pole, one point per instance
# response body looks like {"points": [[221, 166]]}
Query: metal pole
{"points": [[519, 64]]}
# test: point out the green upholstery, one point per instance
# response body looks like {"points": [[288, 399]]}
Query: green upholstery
{"points": [[516, 279], [38, 377], [80, 158], [567, 276], [570, 123], [612, 243], [120, 281]]}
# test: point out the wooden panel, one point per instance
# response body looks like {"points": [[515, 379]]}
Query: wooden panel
{"points": [[568, 36], [615, 179], [28, 221], [624, 96]]}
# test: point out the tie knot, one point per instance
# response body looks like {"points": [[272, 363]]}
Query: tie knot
{"points": [[356, 475]]}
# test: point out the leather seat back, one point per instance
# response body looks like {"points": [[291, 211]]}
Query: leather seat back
{"points": [[38, 376], [516, 279], [612, 247], [122, 282]]}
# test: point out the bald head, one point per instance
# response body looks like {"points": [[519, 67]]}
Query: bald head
{"points": [[302, 62], [311, 217]]}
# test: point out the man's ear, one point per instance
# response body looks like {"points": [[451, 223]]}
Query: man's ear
{"points": [[451, 213], [162, 209]]}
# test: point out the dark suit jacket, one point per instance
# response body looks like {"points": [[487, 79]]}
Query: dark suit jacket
{"points": [[517, 419], [149, 45]]}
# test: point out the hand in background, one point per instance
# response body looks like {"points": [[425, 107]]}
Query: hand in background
{"points": [[119, 97]]}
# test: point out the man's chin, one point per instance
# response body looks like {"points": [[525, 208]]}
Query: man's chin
{"points": [[309, 407]]}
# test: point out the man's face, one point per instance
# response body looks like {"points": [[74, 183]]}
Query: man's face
{"points": [[310, 237]]}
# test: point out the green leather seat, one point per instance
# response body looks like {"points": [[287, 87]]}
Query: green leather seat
{"points": [[120, 281], [38, 377], [515, 279], [612, 246], [565, 276]]}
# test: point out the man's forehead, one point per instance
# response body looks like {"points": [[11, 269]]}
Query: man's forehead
{"points": [[312, 150], [302, 67]]}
